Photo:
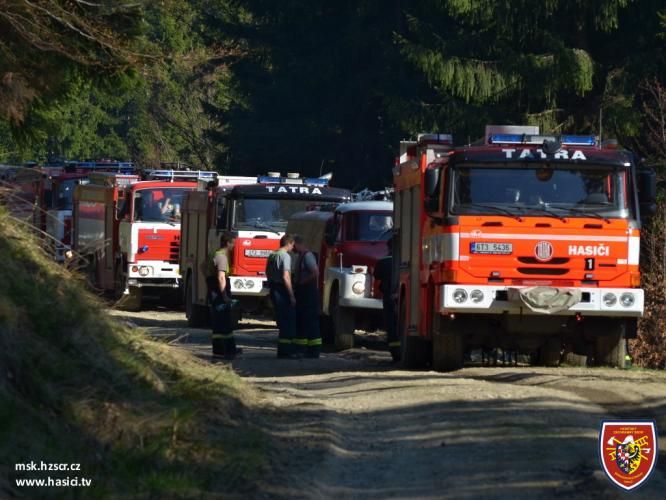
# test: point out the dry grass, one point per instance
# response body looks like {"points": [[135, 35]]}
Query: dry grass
{"points": [[141, 418]]}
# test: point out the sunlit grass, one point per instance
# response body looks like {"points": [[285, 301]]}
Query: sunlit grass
{"points": [[141, 417]]}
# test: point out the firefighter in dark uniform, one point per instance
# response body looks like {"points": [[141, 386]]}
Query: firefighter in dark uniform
{"points": [[384, 273], [278, 273], [219, 298], [308, 338]]}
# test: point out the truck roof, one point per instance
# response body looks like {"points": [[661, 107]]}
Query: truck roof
{"points": [[365, 206], [529, 153], [291, 191]]}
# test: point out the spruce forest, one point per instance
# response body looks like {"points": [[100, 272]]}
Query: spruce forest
{"points": [[246, 86]]}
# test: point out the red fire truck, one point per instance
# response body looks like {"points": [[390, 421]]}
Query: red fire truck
{"points": [[348, 242], [527, 242], [130, 230], [254, 211], [53, 212]]}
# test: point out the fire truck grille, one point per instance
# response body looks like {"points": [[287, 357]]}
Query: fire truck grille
{"points": [[550, 271], [552, 262], [174, 252]]}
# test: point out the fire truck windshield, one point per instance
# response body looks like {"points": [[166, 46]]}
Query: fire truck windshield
{"points": [[368, 226], [64, 198], [267, 213], [587, 191], [158, 204]]}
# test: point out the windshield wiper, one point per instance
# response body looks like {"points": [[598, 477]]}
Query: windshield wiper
{"points": [[586, 212], [263, 225], [544, 210], [502, 211]]}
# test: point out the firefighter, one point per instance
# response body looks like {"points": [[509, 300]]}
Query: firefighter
{"points": [[308, 338], [278, 273], [219, 298], [384, 273]]}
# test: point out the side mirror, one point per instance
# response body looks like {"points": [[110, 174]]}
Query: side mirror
{"points": [[431, 192], [647, 192]]}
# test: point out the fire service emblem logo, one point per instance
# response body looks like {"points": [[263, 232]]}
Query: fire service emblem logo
{"points": [[543, 251], [628, 452]]}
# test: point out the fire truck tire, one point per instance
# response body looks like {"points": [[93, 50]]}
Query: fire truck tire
{"points": [[611, 347], [550, 352], [131, 302], [197, 316], [448, 350], [414, 350], [343, 324]]}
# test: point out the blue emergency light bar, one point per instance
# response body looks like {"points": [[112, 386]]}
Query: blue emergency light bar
{"points": [[568, 140], [310, 181], [197, 175], [126, 167]]}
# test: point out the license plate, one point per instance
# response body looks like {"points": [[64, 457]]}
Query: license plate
{"points": [[491, 248]]}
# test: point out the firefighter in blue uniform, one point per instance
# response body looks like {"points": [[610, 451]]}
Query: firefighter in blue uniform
{"points": [[308, 338], [278, 273], [221, 303]]}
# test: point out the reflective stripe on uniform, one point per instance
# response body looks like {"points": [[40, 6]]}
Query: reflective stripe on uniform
{"points": [[314, 341], [300, 341], [284, 341], [224, 336], [394, 344]]}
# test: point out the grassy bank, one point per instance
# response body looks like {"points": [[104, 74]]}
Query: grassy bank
{"points": [[143, 419]]}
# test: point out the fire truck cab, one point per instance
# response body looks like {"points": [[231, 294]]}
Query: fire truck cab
{"points": [[348, 243], [527, 242], [131, 231], [254, 211]]}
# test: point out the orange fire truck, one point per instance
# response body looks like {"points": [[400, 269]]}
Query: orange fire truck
{"points": [[527, 242], [254, 211], [130, 230]]}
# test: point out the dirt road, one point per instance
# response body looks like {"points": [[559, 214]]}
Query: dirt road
{"points": [[359, 428]]}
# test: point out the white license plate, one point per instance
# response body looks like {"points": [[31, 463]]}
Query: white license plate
{"points": [[491, 248]]}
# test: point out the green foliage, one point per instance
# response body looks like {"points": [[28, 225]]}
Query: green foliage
{"points": [[308, 85]]}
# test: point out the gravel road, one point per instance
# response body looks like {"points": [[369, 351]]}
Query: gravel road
{"points": [[357, 427]]}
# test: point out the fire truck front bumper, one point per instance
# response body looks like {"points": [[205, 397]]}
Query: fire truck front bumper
{"points": [[153, 274], [249, 286], [361, 302], [486, 299]]}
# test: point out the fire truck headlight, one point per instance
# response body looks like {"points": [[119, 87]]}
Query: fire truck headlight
{"points": [[476, 296], [249, 284], [358, 288], [239, 284], [144, 271], [609, 299], [627, 299], [459, 295]]}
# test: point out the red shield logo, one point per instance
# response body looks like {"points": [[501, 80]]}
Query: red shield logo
{"points": [[628, 452]]}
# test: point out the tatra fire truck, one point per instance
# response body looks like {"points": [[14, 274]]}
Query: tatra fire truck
{"points": [[527, 242], [130, 230], [254, 211]]}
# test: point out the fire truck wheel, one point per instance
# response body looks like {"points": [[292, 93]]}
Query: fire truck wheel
{"points": [[448, 349], [131, 302], [550, 351], [414, 350], [197, 316], [611, 347], [343, 324]]}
